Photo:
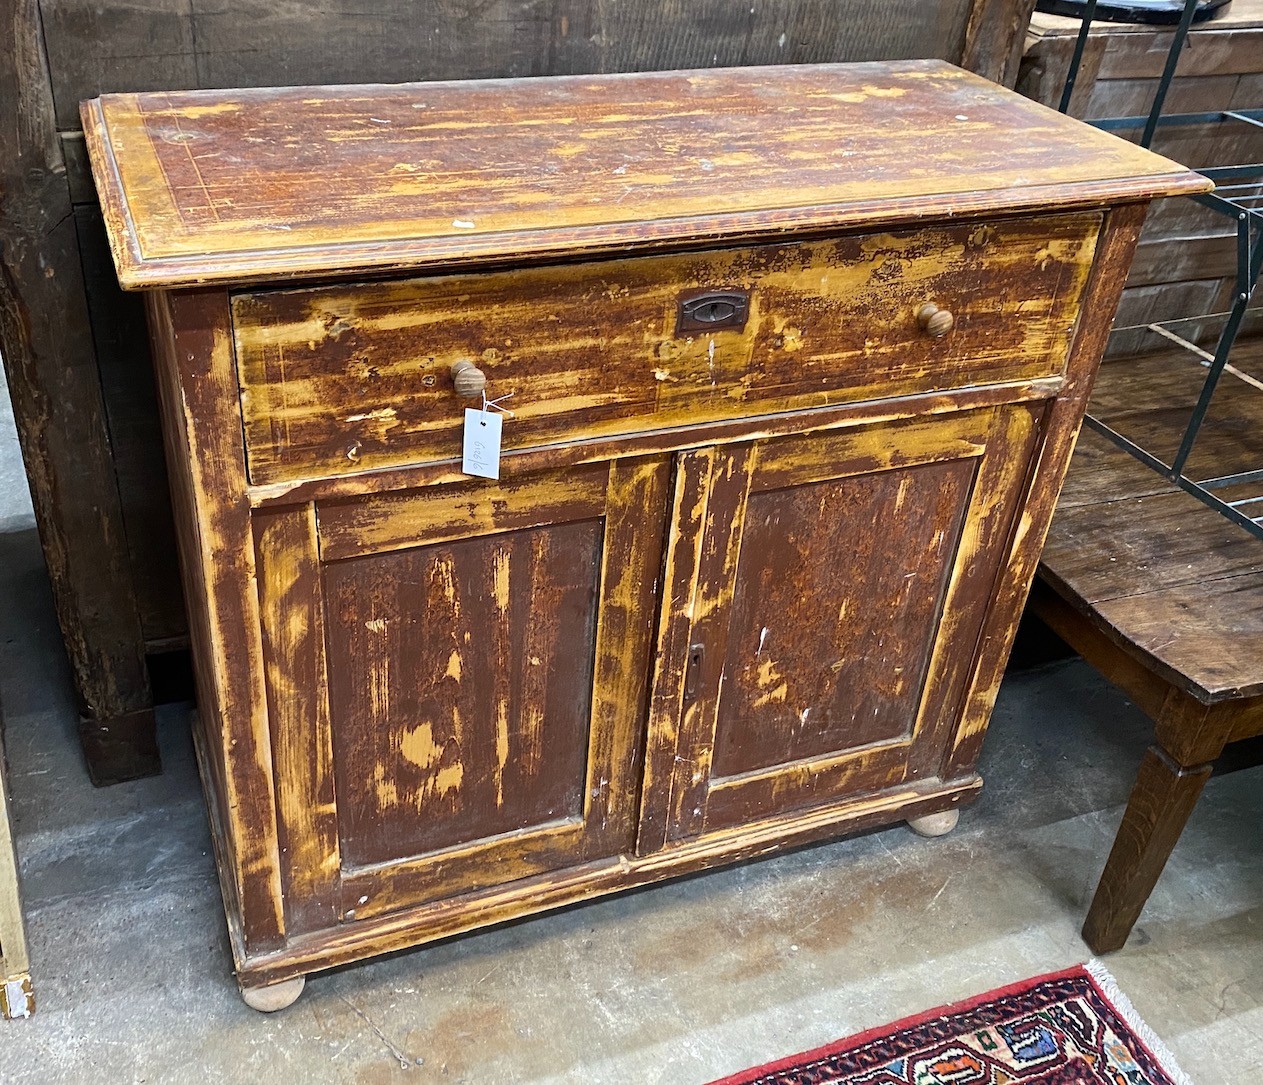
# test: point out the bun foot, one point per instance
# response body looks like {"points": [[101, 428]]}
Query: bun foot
{"points": [[275, 996], [939, 824]]}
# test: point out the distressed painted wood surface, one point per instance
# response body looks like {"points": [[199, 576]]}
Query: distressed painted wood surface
{"points": [[524, 462], [820, 610], [346, 379], [296, 676], [235, 185], [460, 711], [55, 53], [419, 924], [172, 45], [1060, 425], [201, 429], [473, 701]]}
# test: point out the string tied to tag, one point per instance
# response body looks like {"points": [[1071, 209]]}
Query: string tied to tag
{"points": [[495, 404]]}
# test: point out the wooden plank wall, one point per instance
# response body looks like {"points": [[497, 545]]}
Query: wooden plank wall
{"points": [[74, 345], [1187, 254]]}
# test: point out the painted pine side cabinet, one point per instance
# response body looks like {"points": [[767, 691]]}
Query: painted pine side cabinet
{"points": [[795, 359]]}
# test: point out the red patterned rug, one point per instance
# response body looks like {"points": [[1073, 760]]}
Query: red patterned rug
{"points": [[1069, 1028]]}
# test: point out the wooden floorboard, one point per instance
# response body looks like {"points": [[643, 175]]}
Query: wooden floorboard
{"points": [[1149, 400]]}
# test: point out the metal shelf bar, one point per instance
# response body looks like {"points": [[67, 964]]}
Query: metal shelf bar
{"points": [[1168, 73], [1171, 120]]}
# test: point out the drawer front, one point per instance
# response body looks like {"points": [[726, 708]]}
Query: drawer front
{"points": [[353, 377]]}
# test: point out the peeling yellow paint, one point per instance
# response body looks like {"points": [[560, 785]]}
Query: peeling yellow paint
{"points": [[501, 579], [634, 373], [381, 414], [379, 686], [502, 747], [776, 695], [443, 572], [775, 689], [901, 494], [449, 779], [387, 791], [453, 665], [418, 746]]}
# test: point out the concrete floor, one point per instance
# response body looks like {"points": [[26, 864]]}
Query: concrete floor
{"points": [[678, 984]]}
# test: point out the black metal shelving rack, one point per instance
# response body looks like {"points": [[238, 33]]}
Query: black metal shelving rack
{"points": [[1239, 196]]}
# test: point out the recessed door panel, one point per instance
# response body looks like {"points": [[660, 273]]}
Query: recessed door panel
{"points": [[834, 610], [461, 688]]}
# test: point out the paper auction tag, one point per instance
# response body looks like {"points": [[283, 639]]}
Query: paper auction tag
{"points": [[481, 454]]}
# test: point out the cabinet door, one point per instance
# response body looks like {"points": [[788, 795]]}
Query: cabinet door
{"points": [[456, 680], [823, 599]]}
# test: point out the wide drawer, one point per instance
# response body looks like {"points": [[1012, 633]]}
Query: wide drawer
{"points": [[353, 377]]}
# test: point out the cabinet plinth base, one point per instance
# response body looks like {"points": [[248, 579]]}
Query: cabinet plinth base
{"points": [[416, 926]]}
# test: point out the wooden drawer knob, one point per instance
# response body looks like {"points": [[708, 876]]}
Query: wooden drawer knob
{"points": [[934, 321], [468, 379]]}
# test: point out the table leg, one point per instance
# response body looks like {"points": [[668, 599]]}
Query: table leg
{"points": [[1161, 801]]}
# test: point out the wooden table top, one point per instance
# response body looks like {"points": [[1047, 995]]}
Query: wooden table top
{"points": [[249, 185], [1167, 578]]}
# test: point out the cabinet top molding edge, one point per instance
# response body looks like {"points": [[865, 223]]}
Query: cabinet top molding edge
{"points": [[304, 182]]}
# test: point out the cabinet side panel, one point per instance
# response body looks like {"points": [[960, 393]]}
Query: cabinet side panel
{"points": [[206, 461], [1060, 427]]}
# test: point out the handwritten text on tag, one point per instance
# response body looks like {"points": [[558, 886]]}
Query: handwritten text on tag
{"points": [[482, 443]]}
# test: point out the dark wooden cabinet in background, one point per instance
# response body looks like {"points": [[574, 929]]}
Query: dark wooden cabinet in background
{"points": [[796, 358]]}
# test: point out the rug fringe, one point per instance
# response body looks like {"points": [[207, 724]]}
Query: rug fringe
{"points": [[1105, 980]]}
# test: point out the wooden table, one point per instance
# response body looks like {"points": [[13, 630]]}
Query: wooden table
{"points": [[1164, 596]]}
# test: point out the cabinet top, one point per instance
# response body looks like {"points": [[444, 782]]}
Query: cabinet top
{"points": [[263, 184]]}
